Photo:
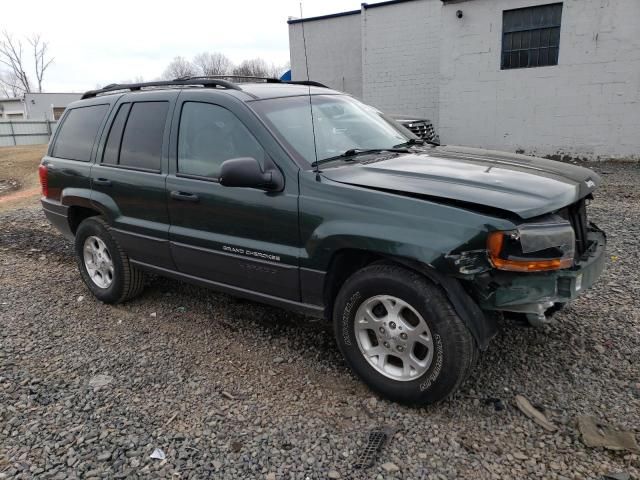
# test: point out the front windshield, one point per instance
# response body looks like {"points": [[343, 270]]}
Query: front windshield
{"points": [[341, 123]]}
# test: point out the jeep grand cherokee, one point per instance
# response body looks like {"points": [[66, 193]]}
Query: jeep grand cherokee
{"points": [[303, 197]]}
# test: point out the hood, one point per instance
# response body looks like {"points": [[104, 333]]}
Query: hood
{"points": [[523, 185]]}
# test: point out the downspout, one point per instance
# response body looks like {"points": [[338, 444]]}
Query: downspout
{"points": [[363, 54]]}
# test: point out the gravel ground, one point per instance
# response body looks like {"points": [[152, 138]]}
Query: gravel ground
{"points": [[232, 389]]}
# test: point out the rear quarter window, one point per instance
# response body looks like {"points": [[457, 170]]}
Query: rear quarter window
{"points": [[78, 132]]}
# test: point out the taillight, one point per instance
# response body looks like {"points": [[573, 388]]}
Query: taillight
{"points": [[44, 180]]}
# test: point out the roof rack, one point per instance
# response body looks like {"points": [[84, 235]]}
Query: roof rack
{"points": [[242, 77], [310, 83], [210, 81], [206, 82]]}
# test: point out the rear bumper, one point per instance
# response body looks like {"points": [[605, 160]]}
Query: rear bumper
{"points": [[58, 216], [533, 293]]}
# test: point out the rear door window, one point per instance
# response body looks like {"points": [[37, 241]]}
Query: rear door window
{"points": [[78, 132], [141, 145]]}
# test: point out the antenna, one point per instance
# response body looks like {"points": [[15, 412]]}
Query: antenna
{"points": [[304, 44], [306, 62]]}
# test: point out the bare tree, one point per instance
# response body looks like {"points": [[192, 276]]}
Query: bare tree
{"points": [[11, 58], [136, 79], [255, 67], [179, 67], [16, 80], [276, 71], [41, 61], [215, 63], [212, 63], [9, 86]]}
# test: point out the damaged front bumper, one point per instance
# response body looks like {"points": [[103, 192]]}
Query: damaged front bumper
{"points": [[534, 293]]}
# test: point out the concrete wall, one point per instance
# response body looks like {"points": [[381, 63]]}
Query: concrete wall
{"points": [[39, 106], [401, 57], [334, 49], [586, 106]]}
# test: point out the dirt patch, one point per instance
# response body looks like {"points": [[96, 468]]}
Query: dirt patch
{"points": [[8, 186], [21, 195], [19, 184]]}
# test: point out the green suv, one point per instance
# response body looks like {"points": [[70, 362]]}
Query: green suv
{"points": [[299, 196]]}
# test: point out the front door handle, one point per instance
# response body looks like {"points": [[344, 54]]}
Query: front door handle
{"points": [[184, 196], [105, 182]]}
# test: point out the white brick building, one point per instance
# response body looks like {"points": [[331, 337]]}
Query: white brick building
{"points": [[461, 63]]}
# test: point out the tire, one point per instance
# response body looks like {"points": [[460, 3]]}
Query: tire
{"points": [[453, 351], [122, 281]]}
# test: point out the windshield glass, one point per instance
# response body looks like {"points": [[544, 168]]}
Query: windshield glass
{"points": [[341, 123]]}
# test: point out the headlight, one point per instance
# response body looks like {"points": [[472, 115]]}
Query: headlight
{"points": [[534, 247]]}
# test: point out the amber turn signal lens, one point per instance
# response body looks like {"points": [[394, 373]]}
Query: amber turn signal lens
{"points": [[495, 242]]}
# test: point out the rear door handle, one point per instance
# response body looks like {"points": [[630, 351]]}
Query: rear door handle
{"points": [[184, 196], [105, 182]]}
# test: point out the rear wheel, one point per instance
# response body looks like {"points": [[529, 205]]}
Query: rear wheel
{"points": [[103, 265], [400, 334]]}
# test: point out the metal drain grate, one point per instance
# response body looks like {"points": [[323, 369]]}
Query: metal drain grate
{"points": [[376, 440]]}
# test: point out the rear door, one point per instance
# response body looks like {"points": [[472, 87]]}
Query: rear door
{"points": [[246, 238], [128, 178]]}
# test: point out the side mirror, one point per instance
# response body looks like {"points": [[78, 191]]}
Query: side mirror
{"points": [[247, 172]]}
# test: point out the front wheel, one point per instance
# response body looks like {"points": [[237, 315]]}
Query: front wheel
{"points": [[401, 336]]}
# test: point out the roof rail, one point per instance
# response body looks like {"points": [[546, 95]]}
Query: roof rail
{"points": [[209, 81], [242, 77], [206, 82], [310, 83]]}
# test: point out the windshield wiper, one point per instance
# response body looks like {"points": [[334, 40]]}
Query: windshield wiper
{"points": [[354, 152], [417, 141]]}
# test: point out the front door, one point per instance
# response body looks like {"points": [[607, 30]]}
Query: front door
{"points": [[245, 238]]}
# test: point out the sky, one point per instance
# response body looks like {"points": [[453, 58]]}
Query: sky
{"points": [[99, 43]]}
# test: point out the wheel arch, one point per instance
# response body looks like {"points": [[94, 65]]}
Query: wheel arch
{"points": [[79, 206], [77, 214], [346, 262], [482, 327], [82, 205], [343, 264]]}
